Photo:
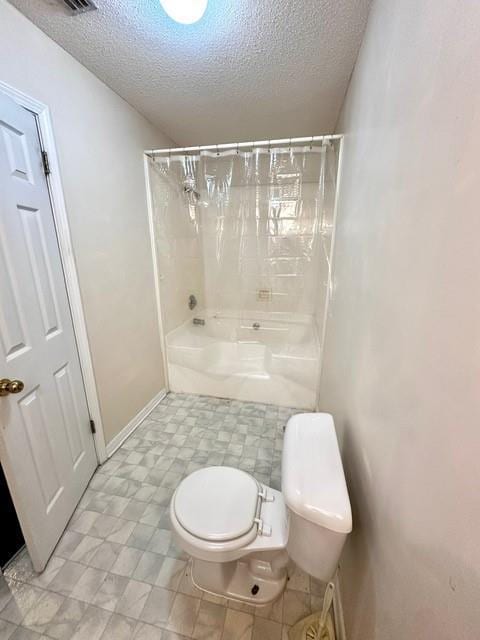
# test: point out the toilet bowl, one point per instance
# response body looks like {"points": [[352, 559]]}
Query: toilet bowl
{"points": [[241, 533]]}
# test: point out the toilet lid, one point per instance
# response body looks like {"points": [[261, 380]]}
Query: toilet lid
{"points": [[217, 503]]}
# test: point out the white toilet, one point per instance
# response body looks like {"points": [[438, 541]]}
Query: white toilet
{"points": [[240, 533]]}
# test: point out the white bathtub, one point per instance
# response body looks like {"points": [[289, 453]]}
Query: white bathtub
{"points": [[227, 357]]}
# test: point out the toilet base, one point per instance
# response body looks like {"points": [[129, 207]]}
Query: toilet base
{"points": [[250, 579]]}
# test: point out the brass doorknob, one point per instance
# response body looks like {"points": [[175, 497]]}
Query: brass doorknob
{"points": [[10, 386]]}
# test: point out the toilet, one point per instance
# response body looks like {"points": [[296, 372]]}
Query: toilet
{"points": [[241, 533]]}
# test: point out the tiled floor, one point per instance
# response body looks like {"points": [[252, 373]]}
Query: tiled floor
{"points": [[117, 575]]}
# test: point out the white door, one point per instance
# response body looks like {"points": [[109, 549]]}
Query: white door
{"points": [[46, 445]]}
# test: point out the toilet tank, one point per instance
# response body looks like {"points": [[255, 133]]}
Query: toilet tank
{"points": [[315, 492]]}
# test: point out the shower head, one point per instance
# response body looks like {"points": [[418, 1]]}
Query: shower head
{"points": [[190, 190]]}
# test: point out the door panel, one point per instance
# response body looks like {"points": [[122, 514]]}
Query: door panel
{"points": [[34, 239], [70, 415], [46, 445]]}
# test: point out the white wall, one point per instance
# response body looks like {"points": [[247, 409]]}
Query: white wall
{"points": [[402, 369], [100, 140]]}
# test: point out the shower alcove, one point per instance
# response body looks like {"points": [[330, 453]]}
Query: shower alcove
{"points": [[245, 233]]}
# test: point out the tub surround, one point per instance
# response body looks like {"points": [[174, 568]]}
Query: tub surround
{"points": [[256, 358]]}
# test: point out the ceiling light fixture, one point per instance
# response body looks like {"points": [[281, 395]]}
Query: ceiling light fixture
{"points": [[185, 11]]}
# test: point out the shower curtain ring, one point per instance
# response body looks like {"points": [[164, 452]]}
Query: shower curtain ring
{"points": [[218, 153], [311, 144]]}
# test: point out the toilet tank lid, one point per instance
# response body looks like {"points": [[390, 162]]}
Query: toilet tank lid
{"points": [[313, 482]]}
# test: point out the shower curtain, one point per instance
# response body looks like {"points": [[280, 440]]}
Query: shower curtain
{"points": [[246, 232]]}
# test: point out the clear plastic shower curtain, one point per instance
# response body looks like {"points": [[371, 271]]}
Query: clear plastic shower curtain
{"points": [[243, 243], [249, 231]]}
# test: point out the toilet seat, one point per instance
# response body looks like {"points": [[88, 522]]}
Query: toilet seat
{"points": [[264, 529], [218, 505]]}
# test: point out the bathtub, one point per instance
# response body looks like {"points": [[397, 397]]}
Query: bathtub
{"points": [[257, 358]]}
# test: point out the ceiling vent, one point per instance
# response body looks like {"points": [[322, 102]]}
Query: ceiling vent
{"points": [[74, 7]]}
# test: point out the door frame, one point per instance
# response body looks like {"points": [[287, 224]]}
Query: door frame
{"points": [[67, 257]]}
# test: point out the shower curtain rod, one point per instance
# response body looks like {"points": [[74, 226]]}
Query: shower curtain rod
{"points": [[242, 145]]}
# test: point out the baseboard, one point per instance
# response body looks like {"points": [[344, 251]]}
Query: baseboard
{"points": [[127, 431], [340, 633]]}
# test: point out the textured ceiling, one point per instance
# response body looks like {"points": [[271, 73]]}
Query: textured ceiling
{"points": [[250, 69]]}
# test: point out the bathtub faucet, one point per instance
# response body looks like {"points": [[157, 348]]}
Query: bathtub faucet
{"points": [[199, 321], [256, 326]]}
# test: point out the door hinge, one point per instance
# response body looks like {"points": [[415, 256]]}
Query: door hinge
{"points": [[92, 426], [45, 162]]}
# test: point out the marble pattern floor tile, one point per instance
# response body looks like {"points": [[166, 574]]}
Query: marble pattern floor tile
{"points": [[238, 625], [117, 574]]}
